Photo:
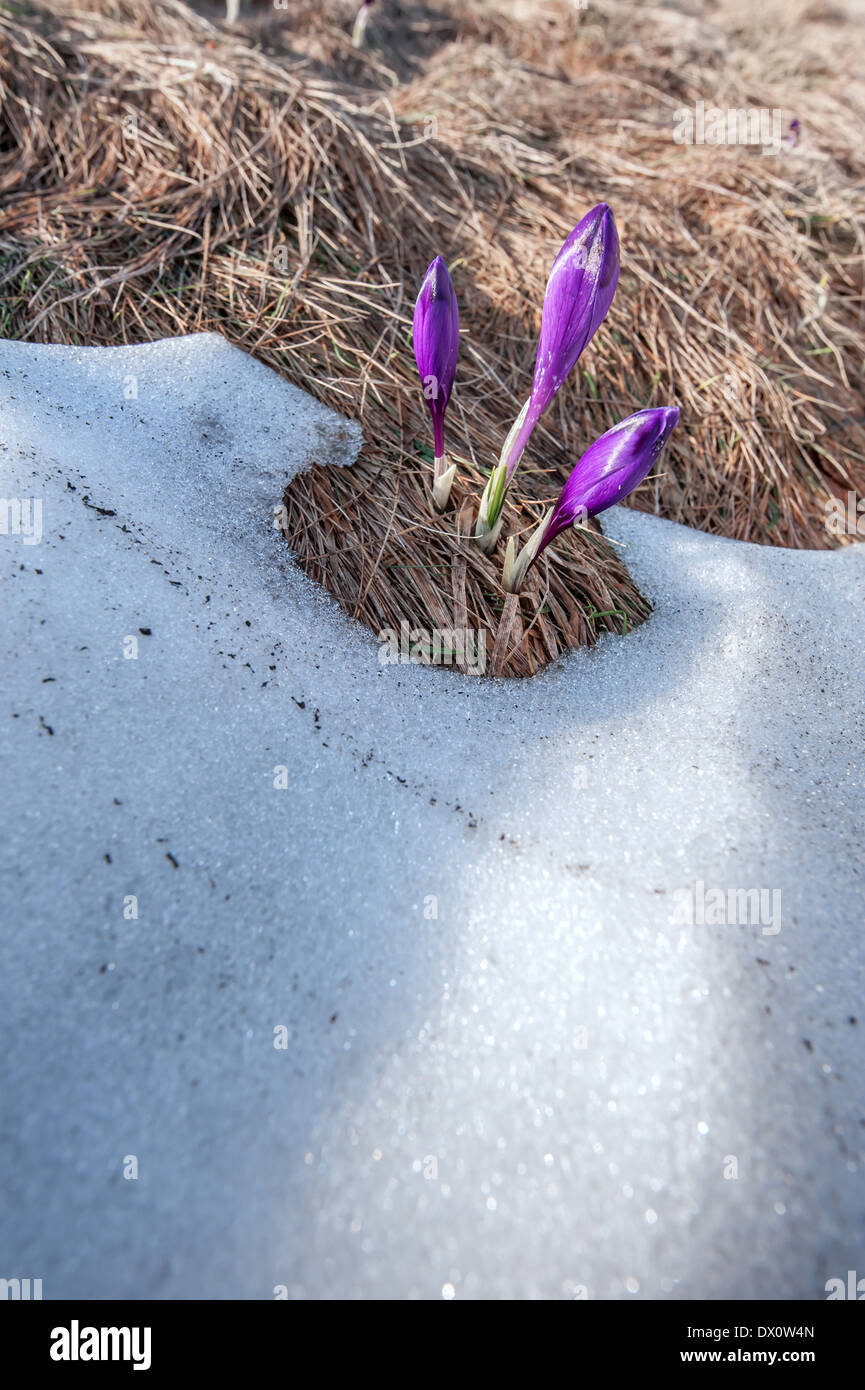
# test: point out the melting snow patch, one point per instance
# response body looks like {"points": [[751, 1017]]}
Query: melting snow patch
{"points": [[327, 978]]}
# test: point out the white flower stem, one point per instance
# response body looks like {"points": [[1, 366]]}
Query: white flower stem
{"points": [[515, 566], [443, 477], [359, 31]]}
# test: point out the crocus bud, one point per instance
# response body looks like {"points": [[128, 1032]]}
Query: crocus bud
{"points": [[609, 469], [436, 332], [579, 293]]}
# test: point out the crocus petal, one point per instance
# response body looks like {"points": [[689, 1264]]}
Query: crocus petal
{"points": [[578, 297], [579, 293], [611, 468], [436, 331]]}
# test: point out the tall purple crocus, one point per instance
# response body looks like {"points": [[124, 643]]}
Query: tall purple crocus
{"points": [[609, 469], [436, 336], [579, 294]]}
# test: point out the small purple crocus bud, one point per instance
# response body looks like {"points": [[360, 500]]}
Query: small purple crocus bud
{"points": [[436, 336], [609, 469], [612, 467]]}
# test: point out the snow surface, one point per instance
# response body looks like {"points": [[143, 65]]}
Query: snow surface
{"points": [[544, 1090]]}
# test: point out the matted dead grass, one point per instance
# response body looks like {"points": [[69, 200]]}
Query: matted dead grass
{"points": [[161, 174], [401, 567]]}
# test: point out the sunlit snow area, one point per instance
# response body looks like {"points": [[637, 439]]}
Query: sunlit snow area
{"points": [[395, 982]]}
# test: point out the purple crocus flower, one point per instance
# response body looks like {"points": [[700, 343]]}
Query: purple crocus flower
{"points": [[436, 336], [612, 467], [579, 294], [609, 469]]}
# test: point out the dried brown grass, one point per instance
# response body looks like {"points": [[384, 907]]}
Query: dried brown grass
{"points": [[399, 564], [161, 174]]}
